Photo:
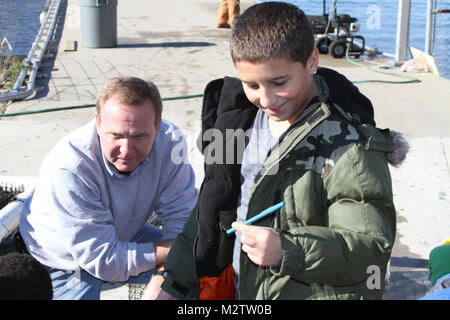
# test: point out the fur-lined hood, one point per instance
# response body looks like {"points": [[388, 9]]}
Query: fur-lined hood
{"points": [[358, 107], [401, 148]]}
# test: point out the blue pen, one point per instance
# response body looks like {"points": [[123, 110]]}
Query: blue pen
{"points": [[263, 213]]}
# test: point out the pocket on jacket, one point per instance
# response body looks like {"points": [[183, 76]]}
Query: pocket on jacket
{"points": [[286, 288]]}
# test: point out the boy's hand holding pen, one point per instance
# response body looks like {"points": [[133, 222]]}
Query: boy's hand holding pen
{"points": [[260, 215], [262, 245]]}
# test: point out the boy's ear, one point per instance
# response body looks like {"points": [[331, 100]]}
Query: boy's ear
{"points": [[313, 62]]}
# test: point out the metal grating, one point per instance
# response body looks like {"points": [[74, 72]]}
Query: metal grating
{"points": [[5, 197]]}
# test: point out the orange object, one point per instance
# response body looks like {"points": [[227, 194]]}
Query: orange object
{"points": [[218, 288], [228, 11]]}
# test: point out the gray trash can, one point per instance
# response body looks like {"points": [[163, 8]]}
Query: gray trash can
{"points": [[98, 23]]}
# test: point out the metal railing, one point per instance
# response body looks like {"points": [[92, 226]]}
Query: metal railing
{"points": [[32, 61]]}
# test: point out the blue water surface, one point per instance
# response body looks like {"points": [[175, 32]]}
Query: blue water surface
{"points": [[19, 24]]}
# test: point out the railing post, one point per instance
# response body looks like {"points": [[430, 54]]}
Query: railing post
{"points": [[429, 27], [401, 47]]}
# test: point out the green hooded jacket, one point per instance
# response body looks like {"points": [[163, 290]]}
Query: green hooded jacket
{"points": [[337, 228]]}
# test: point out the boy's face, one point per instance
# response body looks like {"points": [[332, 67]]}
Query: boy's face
{"points": [[281, 88]]}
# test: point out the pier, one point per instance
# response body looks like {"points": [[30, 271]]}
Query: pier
{"points": [[176, 45]]}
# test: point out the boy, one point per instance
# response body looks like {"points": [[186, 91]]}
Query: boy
{"points": [[321, 155]]}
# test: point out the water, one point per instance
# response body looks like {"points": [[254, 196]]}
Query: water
{"points": [[378, 20], [19, 24]]}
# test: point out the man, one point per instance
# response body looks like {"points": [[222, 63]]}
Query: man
{"points": [[97, 189]]}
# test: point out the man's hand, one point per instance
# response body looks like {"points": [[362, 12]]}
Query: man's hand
{"points": [[153, 290], [162, 249], [262, 245]]}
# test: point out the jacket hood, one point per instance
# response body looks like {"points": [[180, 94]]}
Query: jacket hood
{"points": [[358, 107], [346, 95], [401, 148]]}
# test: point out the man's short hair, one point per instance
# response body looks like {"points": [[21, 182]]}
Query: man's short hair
{"points": [[132, 91], [23, 278], [272, 30]]}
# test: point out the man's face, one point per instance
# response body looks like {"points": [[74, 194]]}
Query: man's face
{"points": [[126, 133], [280, 87]]}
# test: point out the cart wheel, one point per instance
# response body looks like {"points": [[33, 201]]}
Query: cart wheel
{"points": [[322, 44], [337, 48]]}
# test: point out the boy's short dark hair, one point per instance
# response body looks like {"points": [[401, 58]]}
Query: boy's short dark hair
{"points": [[272, 30], [23, 278]]}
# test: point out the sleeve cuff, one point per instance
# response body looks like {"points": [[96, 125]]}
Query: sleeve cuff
{"points": [[177, 290], [293, 257]]}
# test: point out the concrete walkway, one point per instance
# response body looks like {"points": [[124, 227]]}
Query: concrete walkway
{"points": [[176, 45]]}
